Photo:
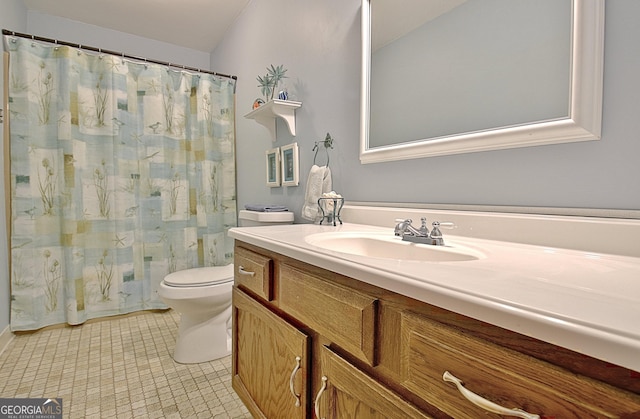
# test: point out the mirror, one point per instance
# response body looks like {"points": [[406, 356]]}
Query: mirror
{"points": [[446, 77]]}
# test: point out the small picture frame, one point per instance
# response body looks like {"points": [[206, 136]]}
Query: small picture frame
{"points": [[290, 167], [273, 167]]}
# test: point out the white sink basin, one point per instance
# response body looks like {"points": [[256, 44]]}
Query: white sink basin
{"points": [[377, 245]]}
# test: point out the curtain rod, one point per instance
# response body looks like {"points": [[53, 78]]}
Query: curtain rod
{"points": [[106, 51]]}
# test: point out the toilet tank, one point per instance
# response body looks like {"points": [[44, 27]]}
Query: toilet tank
{"points": [[248, 218]]}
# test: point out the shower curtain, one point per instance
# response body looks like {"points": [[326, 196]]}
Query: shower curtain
{"points": [[121, 172]]}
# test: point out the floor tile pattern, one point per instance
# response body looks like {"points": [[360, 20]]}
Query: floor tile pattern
{"points": [[118, 368]]}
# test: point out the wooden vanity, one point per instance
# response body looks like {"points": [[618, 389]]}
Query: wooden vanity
{"points": [[308, 342]]}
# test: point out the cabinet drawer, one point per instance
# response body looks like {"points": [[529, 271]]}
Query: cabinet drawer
{"points": [[254, 272], [350, 393], [505, 377], [345, 316]]}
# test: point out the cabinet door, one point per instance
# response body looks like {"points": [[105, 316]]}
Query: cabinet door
{"points": [[347, 392], [270, 361]]}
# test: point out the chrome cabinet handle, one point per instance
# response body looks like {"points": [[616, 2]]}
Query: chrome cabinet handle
{"points": [[316, 404], [293, 377], [243, 272], [487, 405]]}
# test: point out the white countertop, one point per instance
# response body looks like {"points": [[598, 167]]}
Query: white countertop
{"points": [[587, 302]]}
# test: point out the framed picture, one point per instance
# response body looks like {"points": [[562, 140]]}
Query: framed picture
{"points": [[289, 164], [273, 167]]}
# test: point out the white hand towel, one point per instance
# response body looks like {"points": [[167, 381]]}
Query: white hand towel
{"points": [[318, 182]]}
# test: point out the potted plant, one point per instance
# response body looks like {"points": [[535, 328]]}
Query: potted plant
{"points": [[268, 83]]}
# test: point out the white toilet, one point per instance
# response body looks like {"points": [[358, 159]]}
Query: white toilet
{"points": [[203, 298]]}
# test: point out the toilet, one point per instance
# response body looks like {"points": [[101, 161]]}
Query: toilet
{"points": [[202, 296], [248, 218]]}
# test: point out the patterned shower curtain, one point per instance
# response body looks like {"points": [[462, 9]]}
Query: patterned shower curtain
{"points": [[121, 172]]}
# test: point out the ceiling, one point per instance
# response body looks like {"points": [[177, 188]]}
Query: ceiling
{"points": [[195, 24]]}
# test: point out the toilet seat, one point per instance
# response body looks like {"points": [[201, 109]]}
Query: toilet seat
{"points": [[200, 277]]}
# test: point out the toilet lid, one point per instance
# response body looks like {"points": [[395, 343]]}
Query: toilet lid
{"points": [[197, 277]]}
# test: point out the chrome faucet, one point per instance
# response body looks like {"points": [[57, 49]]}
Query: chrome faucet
{"points": [[420, 235], [404, 227]]}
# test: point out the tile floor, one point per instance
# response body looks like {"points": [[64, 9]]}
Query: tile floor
{"points": [[118, 368]]}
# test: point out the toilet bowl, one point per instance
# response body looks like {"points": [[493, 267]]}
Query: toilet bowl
{"points": [[202, 296]]}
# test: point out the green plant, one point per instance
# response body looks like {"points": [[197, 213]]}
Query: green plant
{"points": [[269, 82], [265, 85]]}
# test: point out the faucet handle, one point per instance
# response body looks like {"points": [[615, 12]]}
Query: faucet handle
{"points": [[436, 233], [423, 228]]}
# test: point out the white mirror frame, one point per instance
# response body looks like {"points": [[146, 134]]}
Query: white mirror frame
{"points": [[585, 113]]}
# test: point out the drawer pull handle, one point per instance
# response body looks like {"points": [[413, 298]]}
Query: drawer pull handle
{"points": [[316, 404], [293, 377], [484, 403], [243, 272]]}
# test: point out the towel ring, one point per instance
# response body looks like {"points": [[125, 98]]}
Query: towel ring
{"points": [[316, 155], [328, 143]]}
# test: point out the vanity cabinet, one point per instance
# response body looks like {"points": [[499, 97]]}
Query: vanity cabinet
{"points": [[347, 349]]}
